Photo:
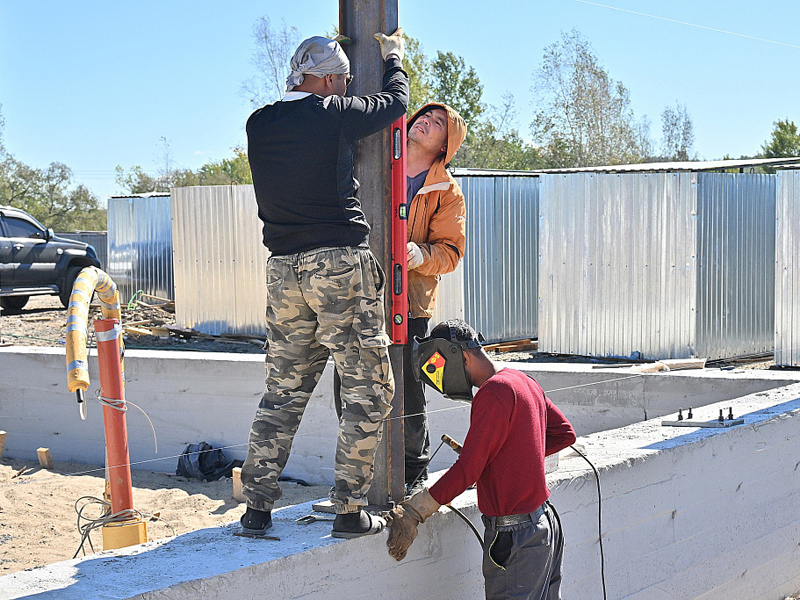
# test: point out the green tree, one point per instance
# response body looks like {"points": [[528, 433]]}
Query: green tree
{"points": [[584, 117], [496, 144], [233, 170], [418, 67], [784, 141], [678, 133], [48, 196], [458, 86]]}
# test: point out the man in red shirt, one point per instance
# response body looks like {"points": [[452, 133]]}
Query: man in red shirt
{"points": [[513, 426]]}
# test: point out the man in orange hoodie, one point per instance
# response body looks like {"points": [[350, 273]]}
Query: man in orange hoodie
{"points": [[436, 242]]}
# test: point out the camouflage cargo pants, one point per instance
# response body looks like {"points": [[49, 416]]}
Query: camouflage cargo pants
{"points": [[324, 301]]}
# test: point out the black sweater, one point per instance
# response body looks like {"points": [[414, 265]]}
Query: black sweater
{"points": [[301, 156]]}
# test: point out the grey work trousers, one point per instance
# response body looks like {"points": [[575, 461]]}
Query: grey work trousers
{"points": [[524, 560]]}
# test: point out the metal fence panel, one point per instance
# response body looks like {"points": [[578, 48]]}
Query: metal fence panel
{"points": [[736, 254], [140, 245], [97, 239], [501, 265], [220, 262], [787, 270], [450, 297], [617, 265]]}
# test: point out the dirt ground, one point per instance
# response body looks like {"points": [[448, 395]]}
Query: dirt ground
{"points": [[38, 521], [37, 509]]}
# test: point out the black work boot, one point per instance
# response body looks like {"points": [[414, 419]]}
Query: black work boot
{"points": [[414, 486], [353, 525], [255, 521]]}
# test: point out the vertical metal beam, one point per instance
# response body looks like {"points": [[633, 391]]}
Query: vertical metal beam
{"points": [[359, 20]]}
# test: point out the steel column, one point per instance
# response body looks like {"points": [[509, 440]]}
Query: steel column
{"points": [[360, 20]]}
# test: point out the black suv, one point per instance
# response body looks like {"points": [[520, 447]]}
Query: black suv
{"points": [[34, 261]]}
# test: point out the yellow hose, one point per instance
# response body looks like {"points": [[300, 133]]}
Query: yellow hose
{"points": [[89, 280]]}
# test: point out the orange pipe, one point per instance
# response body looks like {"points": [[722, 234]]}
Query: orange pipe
{"points": [[113, 390]]}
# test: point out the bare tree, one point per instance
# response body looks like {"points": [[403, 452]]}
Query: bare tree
{"points": [[583, 117], [2, 127], [274, 49], [678, 133]]}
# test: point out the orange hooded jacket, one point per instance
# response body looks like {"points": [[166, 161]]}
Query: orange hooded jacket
{"points": [[437, 220]]}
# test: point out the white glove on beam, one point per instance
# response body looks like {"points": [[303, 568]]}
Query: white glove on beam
{"points": [[392, 44], [414, 255]]}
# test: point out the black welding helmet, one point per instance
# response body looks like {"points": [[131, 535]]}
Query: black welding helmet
{"points": [[439, 363]]}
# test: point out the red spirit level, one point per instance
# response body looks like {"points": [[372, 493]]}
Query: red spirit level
{"points": [[399, 272]]}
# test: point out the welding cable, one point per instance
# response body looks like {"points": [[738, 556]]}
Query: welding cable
{"points": [[468, 522], [121, 406], [106, 518], [599, 520], [455, 510], [424, 468]]}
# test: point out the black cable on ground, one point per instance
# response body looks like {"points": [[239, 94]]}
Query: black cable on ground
{"points": [[468, 522], [599, 520]]}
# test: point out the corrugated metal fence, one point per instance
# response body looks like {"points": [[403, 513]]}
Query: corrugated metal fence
{"points": [[501, 260], [220, 262], [736, 275], [660, 265], [787, 270], [140, 244], [650, 265], [98, 240], [219, 259]]}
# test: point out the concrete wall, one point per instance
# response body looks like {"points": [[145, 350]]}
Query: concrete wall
{"points": [[687, 513], [186, 393]]}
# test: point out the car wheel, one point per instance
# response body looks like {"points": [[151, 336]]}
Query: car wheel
{"points": [[13, 303], [64, 294]]}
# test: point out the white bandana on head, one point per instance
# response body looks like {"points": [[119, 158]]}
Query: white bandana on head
{"points": [[317, 56]]}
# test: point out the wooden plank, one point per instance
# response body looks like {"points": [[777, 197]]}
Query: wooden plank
{"points": [[45, 460], [237, 485], [2, 443], [137, 331], [513, 346], [137, 323], [166, 300]]}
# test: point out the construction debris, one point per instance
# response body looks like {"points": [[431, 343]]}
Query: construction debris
{"points": [[45, 460], [513, 346]]}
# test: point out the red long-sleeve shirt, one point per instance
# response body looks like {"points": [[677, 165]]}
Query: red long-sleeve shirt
{"points": [[513, 426]]}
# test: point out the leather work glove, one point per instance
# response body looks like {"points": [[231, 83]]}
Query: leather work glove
{"points": [[414, 255], [392, 44], [404, 520]]}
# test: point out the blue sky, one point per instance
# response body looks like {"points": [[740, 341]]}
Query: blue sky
{"points": [[98, 84]]}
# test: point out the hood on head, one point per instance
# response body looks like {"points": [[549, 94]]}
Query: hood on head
{"points": [[456, 128]]}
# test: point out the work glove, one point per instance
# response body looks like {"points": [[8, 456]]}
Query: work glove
{"points": [[392, 44], [404, 520], [414, 255]]}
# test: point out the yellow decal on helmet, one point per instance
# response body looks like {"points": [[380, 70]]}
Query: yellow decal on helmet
{"points": [[434, 369]]}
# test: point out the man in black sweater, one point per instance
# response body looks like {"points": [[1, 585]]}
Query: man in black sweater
{"points": [[324, 286]]}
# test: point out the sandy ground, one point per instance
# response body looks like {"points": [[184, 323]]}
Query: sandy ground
{"points": [[38, 522], [38, 518]]}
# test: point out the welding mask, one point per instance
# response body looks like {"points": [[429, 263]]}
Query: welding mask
{"points": [[440, 364]]}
